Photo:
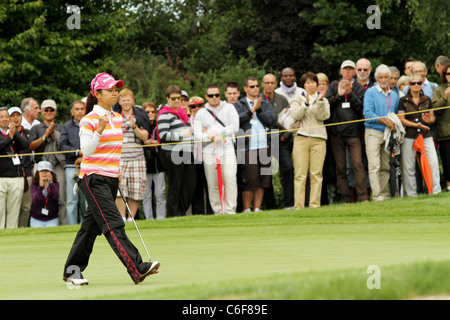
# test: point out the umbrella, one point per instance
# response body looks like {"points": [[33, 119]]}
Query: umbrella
{"points": [[394, 179], [419, 146], [220, 180]]}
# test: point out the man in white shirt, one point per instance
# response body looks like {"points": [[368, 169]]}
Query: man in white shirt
{"points": [[217, 123], [30, 113]]}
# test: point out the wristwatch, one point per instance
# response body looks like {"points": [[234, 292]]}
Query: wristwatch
{"points": [[43, 138]]}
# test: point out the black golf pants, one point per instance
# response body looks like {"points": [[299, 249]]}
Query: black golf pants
{"points": [[102, 216]]}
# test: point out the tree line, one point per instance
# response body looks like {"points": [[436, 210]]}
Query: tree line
{"points": [[192, 43]]}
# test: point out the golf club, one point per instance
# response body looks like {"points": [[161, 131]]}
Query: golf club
{"points": [[129, 212]]}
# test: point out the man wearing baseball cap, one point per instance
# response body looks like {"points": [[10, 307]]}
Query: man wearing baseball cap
{"points": [[15, 117], [346, 104], [44, 138]]}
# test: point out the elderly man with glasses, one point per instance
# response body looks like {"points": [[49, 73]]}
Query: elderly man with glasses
{"points": [[428, 87], [363, 73], [44, 137]]}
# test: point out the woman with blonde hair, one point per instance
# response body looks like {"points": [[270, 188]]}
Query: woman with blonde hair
{"points": [[133, 168], [416, 124]]}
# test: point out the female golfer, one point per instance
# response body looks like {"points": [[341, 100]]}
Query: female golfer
{"points": [[101, 138]]}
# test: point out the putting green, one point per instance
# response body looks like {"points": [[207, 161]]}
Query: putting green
{"points": [[257, 256]]}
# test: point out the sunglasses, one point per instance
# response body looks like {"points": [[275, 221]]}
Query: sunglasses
{"points": [[175, 98], [216, 95], [49, 110], [416, 83], [194, 106], [448, 73], [255, 86], [362, 69]]}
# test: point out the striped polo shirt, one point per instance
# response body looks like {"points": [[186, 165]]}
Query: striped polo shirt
{"points": [[172, 130], [106, 157], [132, 144]]}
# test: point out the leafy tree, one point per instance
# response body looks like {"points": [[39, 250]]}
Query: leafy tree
{"points": [[279, 36], [406, 30], [43, 58]]}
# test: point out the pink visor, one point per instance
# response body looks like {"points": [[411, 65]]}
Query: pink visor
{"points": [[105, 81]]}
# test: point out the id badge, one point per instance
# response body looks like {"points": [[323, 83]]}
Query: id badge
{"points": [[345, 105], [253, 122], [15, 159], [44, 212]]}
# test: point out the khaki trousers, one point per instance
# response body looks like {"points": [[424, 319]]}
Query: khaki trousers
{"points": [[228, 166], [11, 192], [378, 164], [309, 153]]}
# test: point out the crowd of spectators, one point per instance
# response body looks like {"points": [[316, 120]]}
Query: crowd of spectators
{"points": [[330, 141]]}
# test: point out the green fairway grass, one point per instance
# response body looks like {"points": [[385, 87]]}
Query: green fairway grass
{"points": [[321, 253]]}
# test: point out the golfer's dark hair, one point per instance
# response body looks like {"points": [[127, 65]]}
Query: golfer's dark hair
{"points": [[91, 101]]}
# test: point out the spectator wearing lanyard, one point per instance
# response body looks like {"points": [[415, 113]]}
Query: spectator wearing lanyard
{"points": [[284, 154], [363, 73], [346, 103], [11, 175], [15, 116], [70, 141], [379, 101], [44, 194], [217, 123], [256, 116]]}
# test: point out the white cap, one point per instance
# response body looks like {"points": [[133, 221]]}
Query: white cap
{"points": [[348, 63], [44, 166], [14, 109], [48, 104]]}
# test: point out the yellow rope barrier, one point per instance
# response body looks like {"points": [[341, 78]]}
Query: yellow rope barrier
{"points": [[239, 137]]}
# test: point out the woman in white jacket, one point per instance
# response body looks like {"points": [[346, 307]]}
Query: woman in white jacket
{"points": [[310, 141]]}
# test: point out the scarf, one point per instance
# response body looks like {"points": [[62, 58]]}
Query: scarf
{"points": [[180, 113], [289, 90]]}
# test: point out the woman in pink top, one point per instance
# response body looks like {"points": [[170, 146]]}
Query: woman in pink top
{"points": [[101, 139]]}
